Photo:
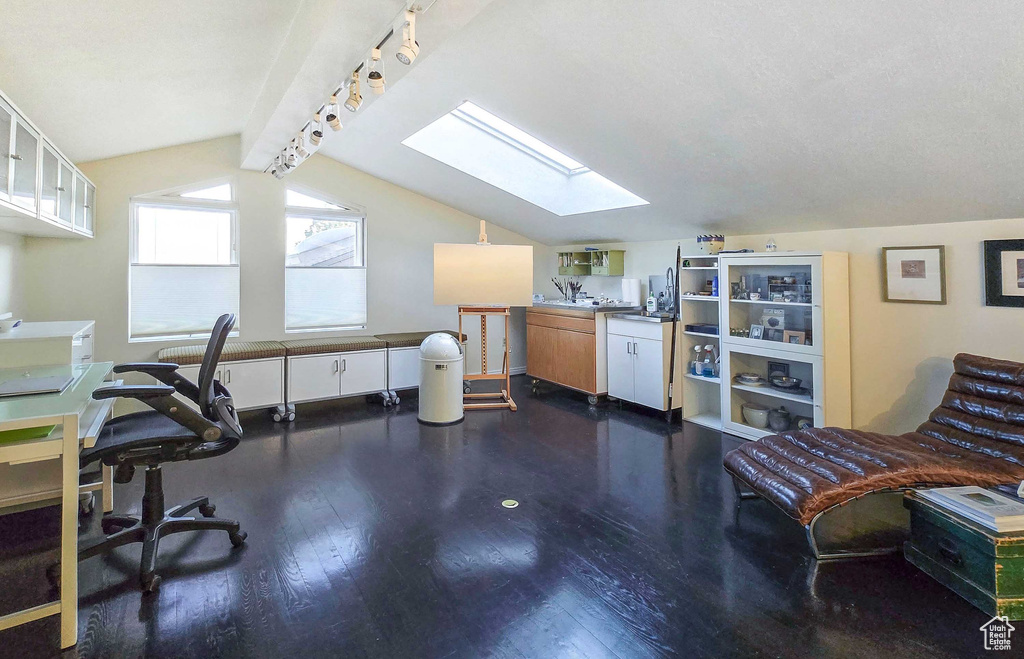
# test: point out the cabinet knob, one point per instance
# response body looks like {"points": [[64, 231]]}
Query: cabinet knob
{"points": [[15, 156], [60, 189]]}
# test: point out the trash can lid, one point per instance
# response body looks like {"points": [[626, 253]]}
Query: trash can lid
{"points": [[441, 347]]}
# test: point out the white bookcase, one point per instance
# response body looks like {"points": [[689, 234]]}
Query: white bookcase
{"points": [[804, 307], [802, 300], [701, 395]]}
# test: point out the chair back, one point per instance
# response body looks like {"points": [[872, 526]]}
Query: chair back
{"points": [[221, 329]]}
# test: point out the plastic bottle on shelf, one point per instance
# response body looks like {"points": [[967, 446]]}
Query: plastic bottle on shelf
{"points": [[696, 367]]}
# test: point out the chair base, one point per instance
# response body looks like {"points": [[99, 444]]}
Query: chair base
{"points": [[154, 524]]}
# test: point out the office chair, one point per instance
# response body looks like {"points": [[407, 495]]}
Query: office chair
{"points": [[171, 432]]}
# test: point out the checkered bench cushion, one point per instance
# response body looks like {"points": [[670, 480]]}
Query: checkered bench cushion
{"points": [[412, 339], [333, 344], [234, 351]]}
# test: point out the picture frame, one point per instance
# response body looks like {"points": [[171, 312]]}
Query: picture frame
{"points": [[1004, 273], [914, 275], [778, 368], [774, 335], [757, 332], [793, 336]]}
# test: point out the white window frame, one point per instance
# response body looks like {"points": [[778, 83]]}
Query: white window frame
{"points": [[347, 212], [170, 199]]}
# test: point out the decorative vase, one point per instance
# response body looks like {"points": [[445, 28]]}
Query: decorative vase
{"points": [[778, 419], [755, 415]]}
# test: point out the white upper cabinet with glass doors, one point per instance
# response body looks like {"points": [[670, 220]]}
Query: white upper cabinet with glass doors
{"points": [[41, 192]]}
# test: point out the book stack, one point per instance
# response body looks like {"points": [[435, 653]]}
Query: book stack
{"points": [[990, 509]]}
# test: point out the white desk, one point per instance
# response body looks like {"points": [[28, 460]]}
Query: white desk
{"points": [[78, 416]]}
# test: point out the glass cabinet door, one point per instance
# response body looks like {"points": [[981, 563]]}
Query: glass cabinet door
{"points": [[90, 207], [24, 161], [6, 141], [51, 181], [773, 303], [65, 193], [79, 203]]}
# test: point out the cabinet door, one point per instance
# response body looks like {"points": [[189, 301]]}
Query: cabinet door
{"points": [[24, 166], [65, 194], [649, 373], [403, 368], [576, 364], [363, 372], [254, 384], [620, 366], [542, 352], [6, 144], [90, 207], [80, 189], [50, 183], [314, 377]]}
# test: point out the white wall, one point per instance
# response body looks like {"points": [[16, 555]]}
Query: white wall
{"points": [[89, 279], [11, 274], [901, 352]]}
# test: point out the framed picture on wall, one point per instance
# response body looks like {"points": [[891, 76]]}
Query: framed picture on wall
{"points": [[914, 274], [1004, 273]]}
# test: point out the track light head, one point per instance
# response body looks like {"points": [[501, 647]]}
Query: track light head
{"points": [[316, 131], [332, 114], [355, 99], [375, 79], [300, 145], [409, 49]]}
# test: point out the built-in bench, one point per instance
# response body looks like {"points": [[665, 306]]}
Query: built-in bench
{"points": [[403, 350], [336, 367], [252, 370], [279, 374]]}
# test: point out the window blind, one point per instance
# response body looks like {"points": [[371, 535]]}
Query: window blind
{"points": [[180, 300], [325, 298]]}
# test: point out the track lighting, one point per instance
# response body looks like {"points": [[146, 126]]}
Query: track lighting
{"points": [[375, 79], [355, 99], [332, 114], [300, 145], [316, 131], [409, 49]]}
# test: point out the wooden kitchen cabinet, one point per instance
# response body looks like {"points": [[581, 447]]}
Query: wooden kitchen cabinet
{"points": [[566, 347]]}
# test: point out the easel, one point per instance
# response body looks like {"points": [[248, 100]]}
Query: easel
{"points": [[505, 394]]}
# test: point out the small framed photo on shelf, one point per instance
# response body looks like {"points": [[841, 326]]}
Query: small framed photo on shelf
{"points": [[757, 332], [774, 334], [778, 369], [1004, 273], [792, 336], [914, 274]]}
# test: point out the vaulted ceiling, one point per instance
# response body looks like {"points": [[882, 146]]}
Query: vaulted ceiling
{"points": [[732, 116]]}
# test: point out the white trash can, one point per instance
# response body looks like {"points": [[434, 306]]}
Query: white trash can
{"points": [[441, 368]]}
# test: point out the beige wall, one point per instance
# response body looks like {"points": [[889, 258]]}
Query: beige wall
{"points": [[89, 279], [11, 273], [901, 352]]}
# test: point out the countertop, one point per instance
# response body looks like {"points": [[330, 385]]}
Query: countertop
{"points": [[643, 318], [591, 309]]}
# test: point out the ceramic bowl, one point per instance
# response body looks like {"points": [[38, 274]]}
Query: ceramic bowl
{"points": [[783, 382], [755, 415]]}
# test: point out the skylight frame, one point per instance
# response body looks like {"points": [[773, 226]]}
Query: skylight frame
{"points": [[481, 119]]}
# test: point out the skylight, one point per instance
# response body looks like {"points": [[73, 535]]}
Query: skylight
{"points": [[476, 142]]}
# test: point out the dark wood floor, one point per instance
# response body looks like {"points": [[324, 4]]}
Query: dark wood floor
{"points": [[371, 535]]}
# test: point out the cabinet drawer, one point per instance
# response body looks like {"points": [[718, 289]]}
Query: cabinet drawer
{"points": [[560, 322], [640, 329]]}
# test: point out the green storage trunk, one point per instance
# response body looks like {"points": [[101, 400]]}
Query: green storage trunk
{"points": [[984, 567]]}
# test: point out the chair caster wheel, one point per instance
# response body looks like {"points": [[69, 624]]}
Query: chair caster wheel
{"points": [[466, 389], [152, 584], [207, 511], [87, 505], [238, 539], [592, 400]]}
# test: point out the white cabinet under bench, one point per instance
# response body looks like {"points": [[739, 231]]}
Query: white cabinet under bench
{"points": [[319, 369], [404, 358], [253, 371]]}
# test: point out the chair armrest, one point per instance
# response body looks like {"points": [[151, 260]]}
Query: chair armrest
{"points": [[137, 391], [150, 368]]}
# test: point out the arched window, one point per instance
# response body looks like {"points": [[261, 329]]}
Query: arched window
{"points": [[325, 264]]}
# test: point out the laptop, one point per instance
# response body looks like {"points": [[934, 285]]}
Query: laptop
{"points": [[26, 386]]}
